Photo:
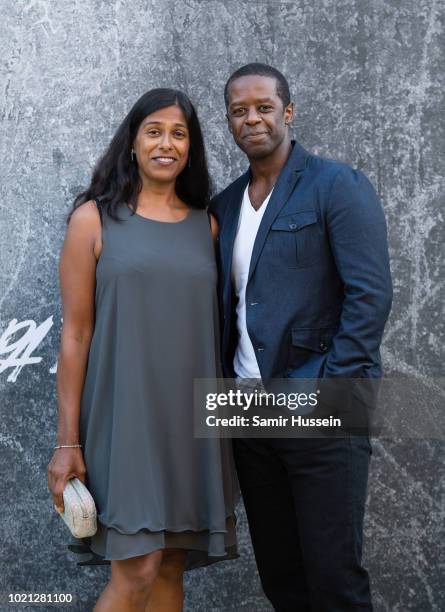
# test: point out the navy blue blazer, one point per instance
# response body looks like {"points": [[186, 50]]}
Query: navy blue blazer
{"points": [[319, 289]]}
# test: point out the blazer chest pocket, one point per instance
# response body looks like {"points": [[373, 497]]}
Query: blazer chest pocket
{"points": [[296, 239]]}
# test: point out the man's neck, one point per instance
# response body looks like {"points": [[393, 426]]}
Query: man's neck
{"points": [[267, 169]]}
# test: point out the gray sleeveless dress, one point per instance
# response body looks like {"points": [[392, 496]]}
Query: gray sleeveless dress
{"points": [[155, 486]]}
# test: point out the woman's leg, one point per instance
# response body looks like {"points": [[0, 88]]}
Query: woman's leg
{"points": [[131, 584], [167, 594]]}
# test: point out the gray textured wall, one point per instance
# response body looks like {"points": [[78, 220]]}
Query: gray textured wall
{"points": [[368, 82]]}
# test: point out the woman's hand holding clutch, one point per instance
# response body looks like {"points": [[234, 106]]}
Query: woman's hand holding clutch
{"points": [[66, 463]]}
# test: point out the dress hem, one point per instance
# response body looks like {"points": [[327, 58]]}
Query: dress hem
{"points": [[204, 546]]}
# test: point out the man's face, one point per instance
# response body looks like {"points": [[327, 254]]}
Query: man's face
{"points": [[256, 116]]}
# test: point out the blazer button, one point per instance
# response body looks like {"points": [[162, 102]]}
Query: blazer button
{"points": [[260, 348], [292, 226], [323, 346]]}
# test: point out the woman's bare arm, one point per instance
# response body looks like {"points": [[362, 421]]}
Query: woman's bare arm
{"points": [[77, 284], [77, 273]]}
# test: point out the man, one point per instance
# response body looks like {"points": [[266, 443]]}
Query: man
{"points": [[306, 291]]}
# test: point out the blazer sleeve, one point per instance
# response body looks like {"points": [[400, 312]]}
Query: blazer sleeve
{"points": [[358, 237]]}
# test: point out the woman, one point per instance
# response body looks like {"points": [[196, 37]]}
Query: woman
{"points": [[138, 290]]}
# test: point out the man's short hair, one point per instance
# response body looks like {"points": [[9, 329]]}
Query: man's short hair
{"points": [[261, 70]]}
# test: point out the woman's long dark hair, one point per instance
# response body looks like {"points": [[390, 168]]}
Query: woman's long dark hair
{"points": [[116, 178]]}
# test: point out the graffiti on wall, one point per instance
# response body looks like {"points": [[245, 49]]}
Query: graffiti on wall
{"points": [[18, 343]]}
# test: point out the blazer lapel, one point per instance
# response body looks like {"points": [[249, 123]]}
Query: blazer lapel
{"points": [[229, 229], [284, 186]]}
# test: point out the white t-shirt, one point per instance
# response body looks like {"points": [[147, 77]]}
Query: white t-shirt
{"points": [[245, 363]]}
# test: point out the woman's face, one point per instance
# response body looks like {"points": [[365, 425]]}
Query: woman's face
{"points": [[162, 144]]}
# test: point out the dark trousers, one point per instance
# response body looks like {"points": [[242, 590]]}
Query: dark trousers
{"points": [[305, 502]]}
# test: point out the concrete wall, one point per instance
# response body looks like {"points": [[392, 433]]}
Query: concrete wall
{"points": [[368, 82]]}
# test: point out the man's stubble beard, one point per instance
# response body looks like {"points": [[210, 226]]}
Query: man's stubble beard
{"points": [[260, 154]]}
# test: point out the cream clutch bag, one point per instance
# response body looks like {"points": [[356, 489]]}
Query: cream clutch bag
{"points": [[80, 510]]}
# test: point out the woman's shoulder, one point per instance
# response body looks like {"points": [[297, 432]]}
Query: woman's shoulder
{"points": [[85, 226], [86, 214]]}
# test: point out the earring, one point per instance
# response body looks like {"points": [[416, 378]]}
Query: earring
{"points": [[190, 161], [132, 154]]}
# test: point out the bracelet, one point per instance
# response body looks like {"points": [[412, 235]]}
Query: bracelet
{"points": [[68, 446]]}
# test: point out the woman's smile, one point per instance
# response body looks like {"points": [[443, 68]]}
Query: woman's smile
{"points": [[164, 161]]}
